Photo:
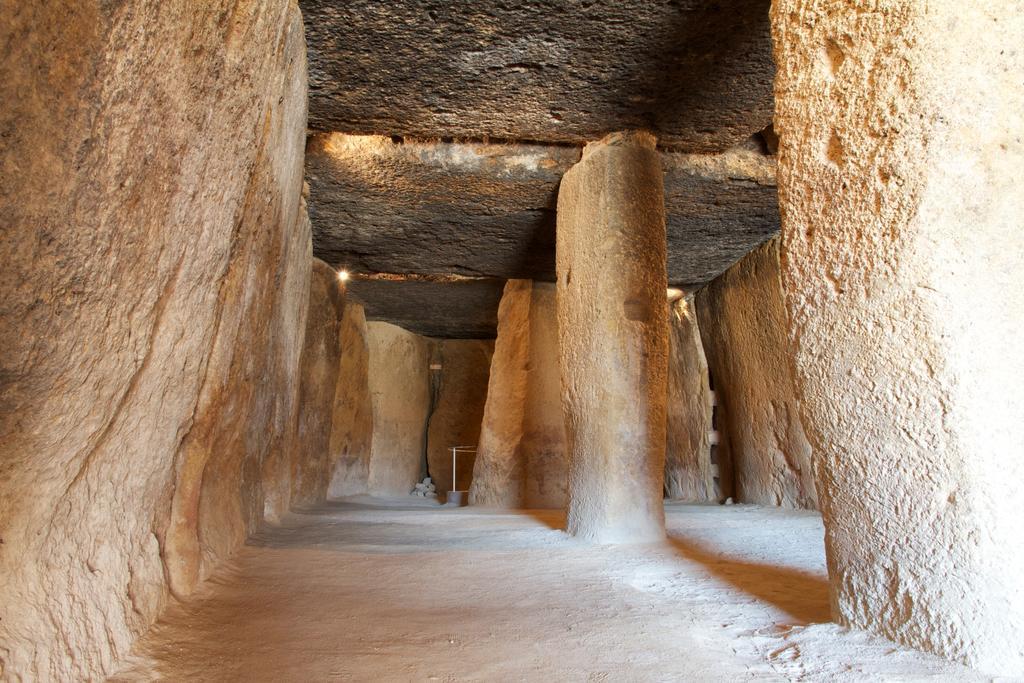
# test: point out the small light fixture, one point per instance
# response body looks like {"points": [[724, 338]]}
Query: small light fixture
{"points": [[343, 275]]}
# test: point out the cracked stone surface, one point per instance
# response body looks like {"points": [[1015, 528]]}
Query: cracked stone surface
{"points": [[696, 73]]}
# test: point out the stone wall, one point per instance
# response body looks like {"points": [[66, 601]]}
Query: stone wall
{"points": [[542, 445], [458, 409], [312, 461], [743, 326], [352, 427], [400, 393], [522, 454], [157, 266], [689, 474]]}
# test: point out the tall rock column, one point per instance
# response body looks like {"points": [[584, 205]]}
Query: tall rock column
{"points": [[900, 163], [613, 347]]}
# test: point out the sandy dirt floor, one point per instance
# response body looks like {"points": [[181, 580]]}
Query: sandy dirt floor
{"points": [[403, 590]]}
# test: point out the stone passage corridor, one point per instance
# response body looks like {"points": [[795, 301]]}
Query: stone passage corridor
{"points": [[376, 590]]}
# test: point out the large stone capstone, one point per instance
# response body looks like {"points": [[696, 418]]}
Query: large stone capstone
{"points": [[696, 73], [467, 216]]}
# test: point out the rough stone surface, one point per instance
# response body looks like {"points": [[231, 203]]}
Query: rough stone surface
{"points": [[718, 207], [689, 475], [400, 392], [152, 165], [612, 339], [489, 210], [696, 73], [543, 446], [900, 164], [352, 426], [313, 459], [458, 408], [478, 210], [498, 470], [459, 309], [522, 456], [434, 207], [743, 325]]}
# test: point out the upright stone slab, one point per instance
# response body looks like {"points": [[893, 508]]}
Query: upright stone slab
{"points": [[899, 179], [762, 441], [352, 427], [458, 411], [400, 392], [543, 447], [312, 462], [613, 347], [689, 472], [498, 470]]}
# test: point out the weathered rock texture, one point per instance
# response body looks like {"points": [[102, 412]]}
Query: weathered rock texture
{"points": [[445, 308], [743, 325], [400, 392], [612, 338], [689, 475], [313, 459], [458, 409], [156, 270], [697, 73], [901, 157], [522, 456], [352, 425], [488, 210], [498, 470], [543, 445]]}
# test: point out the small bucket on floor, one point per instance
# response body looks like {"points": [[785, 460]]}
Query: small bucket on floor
{"points": [[457, 499]]}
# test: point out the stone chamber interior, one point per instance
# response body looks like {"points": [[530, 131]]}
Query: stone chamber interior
{"points": [[723, 297]]}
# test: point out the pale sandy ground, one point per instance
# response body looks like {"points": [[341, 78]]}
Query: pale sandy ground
{"points": [[372, 590]]}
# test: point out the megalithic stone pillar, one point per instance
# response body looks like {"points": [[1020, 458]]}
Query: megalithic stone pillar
{"points": [[903, 270], [613, 345]]}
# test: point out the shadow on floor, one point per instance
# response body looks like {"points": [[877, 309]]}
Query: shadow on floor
{"points": [[802, 595]]}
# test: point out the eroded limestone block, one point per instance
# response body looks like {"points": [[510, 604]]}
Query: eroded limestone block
{"points": [[698, 74], [352, 426], [689, 475], [612, 338], [899, 179], [543, 445], [400, 392], [743, 325], [522, 457], [312, 459], [152, 158], [498, 471], [458, 407]]}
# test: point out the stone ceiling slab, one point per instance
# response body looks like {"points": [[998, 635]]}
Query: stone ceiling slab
{"points": [[697, 73], [380, 206], [453, 309]]}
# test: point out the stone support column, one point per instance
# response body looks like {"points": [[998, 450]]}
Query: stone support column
{"points": [[899, 181], [612, 323]]}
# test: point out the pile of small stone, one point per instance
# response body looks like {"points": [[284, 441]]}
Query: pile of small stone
{"points": [[425, 489]]}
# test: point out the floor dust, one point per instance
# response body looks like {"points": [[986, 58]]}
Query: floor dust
{"points": [[404, 590]]}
